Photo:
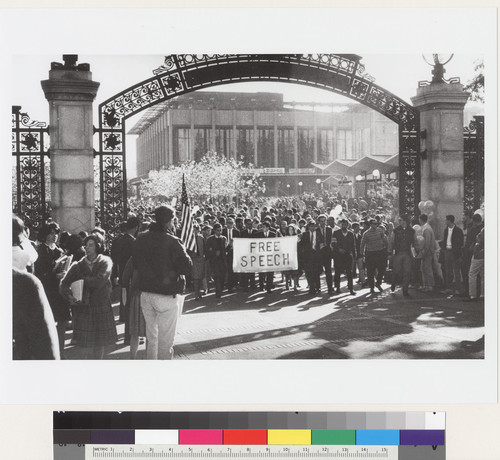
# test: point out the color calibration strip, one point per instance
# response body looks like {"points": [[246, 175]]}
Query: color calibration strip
{"points": [[253, 437], [389, 435]]}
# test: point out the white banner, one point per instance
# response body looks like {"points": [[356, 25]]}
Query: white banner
{"points": [[258, 255]]}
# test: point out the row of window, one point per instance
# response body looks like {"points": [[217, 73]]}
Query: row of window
{"points": [[343, 146]]}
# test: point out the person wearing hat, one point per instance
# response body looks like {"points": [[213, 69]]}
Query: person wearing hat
{"points": [[162, 262], [374, 249], [344, 253], [121, 251]]}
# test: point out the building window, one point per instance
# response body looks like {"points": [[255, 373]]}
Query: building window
{"points": [[245, 146], [325, 146], [286, 150], [181, 145], [201, 142], [344, 144], [265, 148], [306, 148], [224, 142]]}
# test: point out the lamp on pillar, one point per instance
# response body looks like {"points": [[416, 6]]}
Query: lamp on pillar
{"points": [[288, 189], [300, 187], [319, 183], [437, 62]]}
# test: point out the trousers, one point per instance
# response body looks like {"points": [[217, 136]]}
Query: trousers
{"points": [[343, 263], [427, 273], [453, 270], [161, 313], [375, 261], [401, 268], [476, 268]]}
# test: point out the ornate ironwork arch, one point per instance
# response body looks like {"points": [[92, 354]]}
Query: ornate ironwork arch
{"points": [[474, 164], [29, 148], [341, 73]]}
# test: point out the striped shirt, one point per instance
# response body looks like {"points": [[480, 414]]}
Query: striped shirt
{"points": [[374, 239]]}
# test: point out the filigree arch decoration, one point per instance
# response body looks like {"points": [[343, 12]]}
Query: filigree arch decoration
{"points": [[30, 153], [180, 74]]}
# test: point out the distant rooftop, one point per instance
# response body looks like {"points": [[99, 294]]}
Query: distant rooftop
{"points": [[206, 100]]}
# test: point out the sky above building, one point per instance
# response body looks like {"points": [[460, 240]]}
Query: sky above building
{"points": [[397, 73]]}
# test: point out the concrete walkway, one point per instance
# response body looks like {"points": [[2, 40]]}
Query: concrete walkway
{"points": [[294, 325]]}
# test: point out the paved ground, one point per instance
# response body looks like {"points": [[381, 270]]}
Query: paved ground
{"points": [[295, 325]]}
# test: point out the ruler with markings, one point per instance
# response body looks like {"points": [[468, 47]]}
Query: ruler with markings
{"points": [[116, 452]]}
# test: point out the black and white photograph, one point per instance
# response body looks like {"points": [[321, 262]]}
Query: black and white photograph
{"points": [[254, 209], [250, 206]]}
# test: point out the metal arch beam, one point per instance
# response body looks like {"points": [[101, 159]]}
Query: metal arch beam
{"points": [[340, 73]]}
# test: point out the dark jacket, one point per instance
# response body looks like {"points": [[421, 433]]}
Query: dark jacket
{"points": [[121, 251], [403, 239], [326, 239], [345, 245], [478, 252], [161, 260], [457, 240], [34, 329]]}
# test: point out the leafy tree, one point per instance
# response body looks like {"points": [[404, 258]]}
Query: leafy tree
{"points": [[213, 177], [476, 85]]}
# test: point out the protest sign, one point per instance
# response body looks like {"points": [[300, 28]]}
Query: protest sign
{"points": [[259, 255]]}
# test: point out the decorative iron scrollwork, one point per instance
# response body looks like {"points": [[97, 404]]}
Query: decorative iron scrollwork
{"points": [[29, 150], [474, 164], [179, 74]]}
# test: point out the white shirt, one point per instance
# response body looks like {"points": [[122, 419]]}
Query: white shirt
{"points": [[448, 240], [313, 239], [24, 256]]}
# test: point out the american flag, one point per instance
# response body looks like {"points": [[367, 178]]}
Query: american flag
{"points": [[187, 234]]}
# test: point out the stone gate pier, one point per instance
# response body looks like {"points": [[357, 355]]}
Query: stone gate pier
{"points": [[441, 107], [70, 92]]}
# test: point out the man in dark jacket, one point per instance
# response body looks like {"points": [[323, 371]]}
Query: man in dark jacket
{"points": [[323, 241], [453, 243], [230, 233], [344, 252], [247, 278], [309, 254], [269, 276], [470, 240], [162, 262], [216, 254], [403, 238], [121, 251]]}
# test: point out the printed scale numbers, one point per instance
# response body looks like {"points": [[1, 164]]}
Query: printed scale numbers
{"points": [[116, 452]]}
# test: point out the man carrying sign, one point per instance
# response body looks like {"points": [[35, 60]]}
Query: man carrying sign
{"points": [[269, 276]]}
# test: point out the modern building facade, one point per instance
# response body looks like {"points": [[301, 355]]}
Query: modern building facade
{"points": [[283, 140]]}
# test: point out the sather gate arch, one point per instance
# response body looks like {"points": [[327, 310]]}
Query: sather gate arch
{"points": [[341, 73]]}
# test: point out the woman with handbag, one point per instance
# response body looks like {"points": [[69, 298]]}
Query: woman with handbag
{"points": [[93, 320]]}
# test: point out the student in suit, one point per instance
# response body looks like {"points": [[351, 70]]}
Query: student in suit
{"points": [[453, 243], [310, 257], [198, 258], [247, 278], [344, 252], [230, 232], [323, 246], [216, 254], [266, 232]]}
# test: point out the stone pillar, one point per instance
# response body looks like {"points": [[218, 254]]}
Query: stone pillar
{"points": [[70, 92], [441, 108]]}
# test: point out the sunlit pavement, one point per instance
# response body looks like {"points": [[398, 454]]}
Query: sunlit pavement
{"points": [[296, 325]]}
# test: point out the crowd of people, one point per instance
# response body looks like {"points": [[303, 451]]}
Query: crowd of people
{"points": [[363, 241]]}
